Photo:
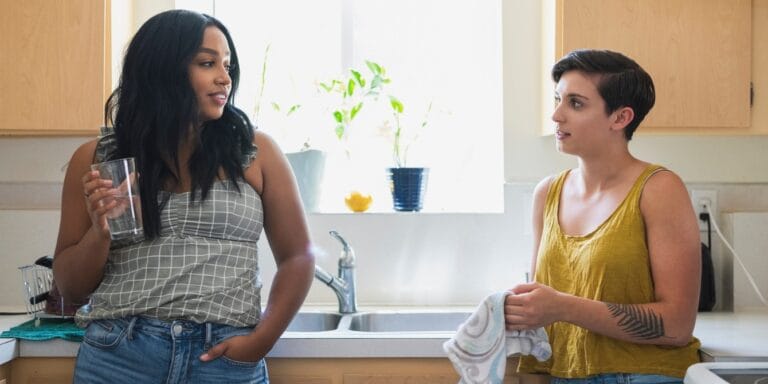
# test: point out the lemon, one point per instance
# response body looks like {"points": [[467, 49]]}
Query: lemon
{"points": [[357, 201]]}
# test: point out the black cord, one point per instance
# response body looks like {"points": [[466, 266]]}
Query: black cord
{"points": [[704, 216]]}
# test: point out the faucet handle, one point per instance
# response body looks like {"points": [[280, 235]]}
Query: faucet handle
{"points": [[347, 257]]}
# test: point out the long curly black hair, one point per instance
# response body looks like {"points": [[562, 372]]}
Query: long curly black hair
{"points": [[154, 106]]}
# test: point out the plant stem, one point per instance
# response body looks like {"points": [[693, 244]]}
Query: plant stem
{"points": [[257, 108], [398, 132]]}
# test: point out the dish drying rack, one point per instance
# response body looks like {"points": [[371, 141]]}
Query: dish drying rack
{"points": [[38, 281]]}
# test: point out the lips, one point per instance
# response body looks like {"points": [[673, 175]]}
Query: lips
{"points": [[220, 98], [561, 134]]}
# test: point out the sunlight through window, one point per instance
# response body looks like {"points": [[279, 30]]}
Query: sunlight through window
{"points": [[443, 60]]}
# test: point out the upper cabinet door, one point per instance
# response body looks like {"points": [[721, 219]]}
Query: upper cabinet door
{"points": [[697, 51], [54, 75]]}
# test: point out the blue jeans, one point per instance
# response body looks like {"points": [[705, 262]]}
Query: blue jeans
{"points": [[142, 350], [620, 378]]}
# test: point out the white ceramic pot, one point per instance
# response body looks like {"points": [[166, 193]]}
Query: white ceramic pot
{"points": [[308, 167]]}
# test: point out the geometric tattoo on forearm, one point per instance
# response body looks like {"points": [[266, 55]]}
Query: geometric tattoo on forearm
{"points": [[638, 322]]}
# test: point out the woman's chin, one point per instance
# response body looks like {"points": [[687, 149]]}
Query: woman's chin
{"points": [[206, 117]]}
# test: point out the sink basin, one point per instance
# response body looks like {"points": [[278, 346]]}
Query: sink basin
{"points": [[407, 321], [314, 322]]}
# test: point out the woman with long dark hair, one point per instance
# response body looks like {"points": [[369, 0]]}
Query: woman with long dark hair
{"points": [[182, 303]]}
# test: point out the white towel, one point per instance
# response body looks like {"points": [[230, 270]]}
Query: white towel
{"points": [[480, 347]]}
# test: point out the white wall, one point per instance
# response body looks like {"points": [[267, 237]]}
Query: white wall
{"points": [[31, 172], [426, 259], [412, 259], [746, 231]]}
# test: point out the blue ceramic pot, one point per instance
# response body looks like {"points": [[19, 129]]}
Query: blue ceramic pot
{"points": [[408, 186]]}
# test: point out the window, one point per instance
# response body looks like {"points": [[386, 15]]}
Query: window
{"points": [[443, 54]]}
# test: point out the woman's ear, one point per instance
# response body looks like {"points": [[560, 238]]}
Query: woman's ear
{"points": [[622, 117]]}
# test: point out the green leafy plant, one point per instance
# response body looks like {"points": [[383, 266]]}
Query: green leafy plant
{"points": [[401, 142], [257, 107], [284, 112], [353, 90]]}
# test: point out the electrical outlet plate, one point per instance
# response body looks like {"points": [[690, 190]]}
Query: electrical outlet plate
{"points": [[699, 197]]}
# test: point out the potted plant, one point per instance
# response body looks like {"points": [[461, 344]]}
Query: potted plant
{"points": [[351, 92], [307, 163], [407, 184]]}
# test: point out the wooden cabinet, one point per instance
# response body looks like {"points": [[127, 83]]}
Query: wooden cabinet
{"points": [[5, 373], [55, 68], [49, 370], [378, 371], [28, 370], [699, 54]]}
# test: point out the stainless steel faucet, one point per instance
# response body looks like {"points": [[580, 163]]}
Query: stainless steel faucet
{"points": [[344, 285]]}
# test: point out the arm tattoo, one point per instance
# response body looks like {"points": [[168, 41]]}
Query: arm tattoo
{"points": [[638, 322]]}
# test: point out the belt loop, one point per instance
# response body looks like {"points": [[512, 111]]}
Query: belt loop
{"points": [[130, 327], [208, 336]]}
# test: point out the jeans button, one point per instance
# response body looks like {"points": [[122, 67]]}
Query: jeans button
{"points": [[177, 328]]}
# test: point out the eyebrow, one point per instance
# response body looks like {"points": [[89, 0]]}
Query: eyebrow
{"points": [[211, 51], [572, 95]]}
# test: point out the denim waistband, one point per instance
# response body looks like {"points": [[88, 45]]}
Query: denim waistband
{"points": [[181, 329], [619, 378]]}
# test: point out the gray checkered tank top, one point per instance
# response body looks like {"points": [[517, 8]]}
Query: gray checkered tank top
{"points": [[202, 267]]}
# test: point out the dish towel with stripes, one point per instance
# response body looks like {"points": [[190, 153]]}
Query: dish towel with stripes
{"points": [[480, 347], [45, 329]]}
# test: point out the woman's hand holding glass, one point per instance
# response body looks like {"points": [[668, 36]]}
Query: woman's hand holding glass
{"points": [[99, 200], [117, 195]]}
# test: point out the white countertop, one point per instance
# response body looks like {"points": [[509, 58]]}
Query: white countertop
{"points": [[725, 336], [707, 373], [734, 336], [9, 347]]}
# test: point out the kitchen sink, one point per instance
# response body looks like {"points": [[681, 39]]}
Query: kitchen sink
{"points": [[314, 322], [407, 321], [735, 372]]}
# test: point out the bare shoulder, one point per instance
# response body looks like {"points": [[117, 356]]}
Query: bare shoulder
{"points": [[542, 187], [540, 193], [265, 142], [665, 195], [664, 183], [268, 163], [83, 155], [266, 150]]}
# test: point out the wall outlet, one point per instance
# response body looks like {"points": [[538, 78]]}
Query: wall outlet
{"points": [[702, 198]]}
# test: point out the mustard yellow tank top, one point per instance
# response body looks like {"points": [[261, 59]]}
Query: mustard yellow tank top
{"points": [[610, 264]]}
